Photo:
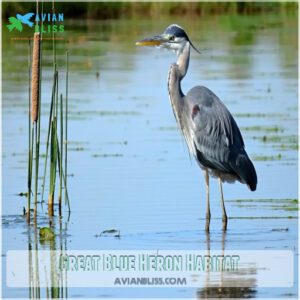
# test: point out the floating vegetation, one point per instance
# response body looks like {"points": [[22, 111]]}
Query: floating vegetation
{"points": [[281, 142], [167, 128], [78, 143], [105, 113], [280, 229], [110, 232], [274, 204], [23, 194], [118, 143], [259, 115], [279, 138], [264, 217], [288, 146], [267, 157], [78, 149], [108, 155], [291, 201], [263, 128], [285, 207], [46, 234]]}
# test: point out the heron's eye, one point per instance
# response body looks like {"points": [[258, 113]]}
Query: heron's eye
{"points": [[172, 38]]}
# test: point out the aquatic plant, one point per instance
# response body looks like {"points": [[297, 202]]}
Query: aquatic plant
{"points": [[35, 77], [29, 175], [66, 123], [56, 117], [35, 106]]}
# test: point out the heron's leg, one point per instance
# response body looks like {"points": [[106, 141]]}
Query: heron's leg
{"points": [[224, 215], [207, 201]]}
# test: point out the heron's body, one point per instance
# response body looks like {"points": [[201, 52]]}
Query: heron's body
{"points": [[208, 127], [213, 136]]}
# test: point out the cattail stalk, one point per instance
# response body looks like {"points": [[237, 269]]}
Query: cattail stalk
{"points": [[35, 98], [35, 77]]}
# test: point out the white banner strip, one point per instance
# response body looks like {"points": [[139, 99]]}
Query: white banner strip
{"points": [[150, 268]]}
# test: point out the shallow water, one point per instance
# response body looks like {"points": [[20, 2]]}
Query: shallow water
{"points": [[129, 168]]}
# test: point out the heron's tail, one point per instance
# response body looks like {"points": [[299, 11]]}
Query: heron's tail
{"points": [[246, 171]]}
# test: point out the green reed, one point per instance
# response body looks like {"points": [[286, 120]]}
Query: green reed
{"points": [[55, 79], [66, 125], [61, 153], [29, 176]]}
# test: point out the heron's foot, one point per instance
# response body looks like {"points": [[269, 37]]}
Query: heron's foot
{"points": [[224, 221], [207, 222]]}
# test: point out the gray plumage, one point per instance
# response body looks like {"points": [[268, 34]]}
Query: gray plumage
{"points": [[208, 127], [218, 142]]}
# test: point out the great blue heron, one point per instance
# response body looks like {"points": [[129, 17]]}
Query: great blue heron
{"points": [[208, 127]]}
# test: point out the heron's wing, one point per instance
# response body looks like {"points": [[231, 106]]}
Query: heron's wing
{"points": [[215, 134], [217, 139]]}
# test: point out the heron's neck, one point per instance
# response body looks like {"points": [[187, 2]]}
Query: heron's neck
{"points": [[177, 73], [183, 59]]}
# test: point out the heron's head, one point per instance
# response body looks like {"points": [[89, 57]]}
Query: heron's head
{"points": [[174, 38]]}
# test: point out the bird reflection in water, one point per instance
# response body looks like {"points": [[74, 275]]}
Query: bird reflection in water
{"points": [[227, 286]]}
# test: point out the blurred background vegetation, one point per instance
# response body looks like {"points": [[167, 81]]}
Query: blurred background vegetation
{"points": [[114, 10]]}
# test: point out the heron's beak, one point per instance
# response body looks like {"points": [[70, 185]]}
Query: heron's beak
{"points": [[156, 40], [159, 40]]}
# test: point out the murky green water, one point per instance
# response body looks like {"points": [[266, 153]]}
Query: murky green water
{"points": [[129, 168]]}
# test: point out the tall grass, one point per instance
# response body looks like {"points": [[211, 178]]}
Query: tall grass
{"points": [[57, 119]]}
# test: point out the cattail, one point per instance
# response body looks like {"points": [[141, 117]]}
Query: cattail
{"points": [[35, 77]]}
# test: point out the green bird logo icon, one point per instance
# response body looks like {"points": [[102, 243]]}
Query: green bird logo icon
{"points": [[16, 23]]}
